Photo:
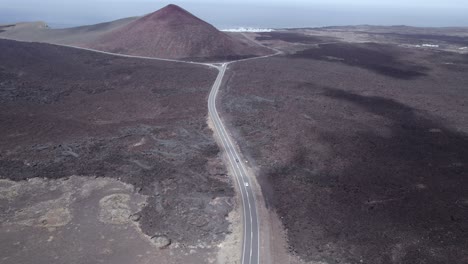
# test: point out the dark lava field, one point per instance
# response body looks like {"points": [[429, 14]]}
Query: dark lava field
{"points": [[361, 149], [66, 112], [358, 135]]}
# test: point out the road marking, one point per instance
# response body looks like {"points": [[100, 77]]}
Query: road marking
{"points": [[231, 157], [225, 140]]}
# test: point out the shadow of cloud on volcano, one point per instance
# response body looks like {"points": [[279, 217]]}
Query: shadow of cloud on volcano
{"points": [[380, 59]]}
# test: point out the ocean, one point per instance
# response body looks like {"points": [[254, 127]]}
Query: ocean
{"points": [[227, 16]]}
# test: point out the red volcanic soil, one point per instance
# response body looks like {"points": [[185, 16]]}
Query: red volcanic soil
{"points": [[172, 32]]}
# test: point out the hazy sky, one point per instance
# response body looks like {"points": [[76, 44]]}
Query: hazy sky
{"points": [[258, 13]]}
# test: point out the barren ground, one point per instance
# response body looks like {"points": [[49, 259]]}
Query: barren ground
{"points": [[448, 39], [39, 32], [361, 148], [66, 112]]}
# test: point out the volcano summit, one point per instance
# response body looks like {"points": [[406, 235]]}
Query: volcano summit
{"points": [[172, 32]]}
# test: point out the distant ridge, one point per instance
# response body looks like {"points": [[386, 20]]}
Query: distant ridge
{"points": [[172, 32], [77, 36]]}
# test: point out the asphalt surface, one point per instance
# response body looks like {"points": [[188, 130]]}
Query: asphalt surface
{"points": [[251, 240], [251, 236]]}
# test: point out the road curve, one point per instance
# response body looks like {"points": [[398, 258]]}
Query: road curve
{"points": [[251, 237]]}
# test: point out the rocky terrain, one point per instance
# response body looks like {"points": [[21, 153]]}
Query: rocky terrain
{"points": [[360, 148], [139, 125], [358, 136]]}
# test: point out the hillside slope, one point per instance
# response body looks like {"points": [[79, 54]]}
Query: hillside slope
{"points": [[77, 36], [172, 32]]}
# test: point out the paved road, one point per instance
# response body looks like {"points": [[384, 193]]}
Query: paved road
{"points": [[251, 239]]}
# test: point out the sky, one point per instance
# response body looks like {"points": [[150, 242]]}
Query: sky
{"points": [[246, 13]]}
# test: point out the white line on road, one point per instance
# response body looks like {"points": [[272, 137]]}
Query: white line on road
{"points": [[229, 147]]}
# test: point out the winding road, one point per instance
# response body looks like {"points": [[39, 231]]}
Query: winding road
{"points": [[251, 240], [251, 237], [251, 223]]}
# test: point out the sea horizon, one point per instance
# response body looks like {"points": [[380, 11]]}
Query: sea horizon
{"points": [[231, 16]]}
